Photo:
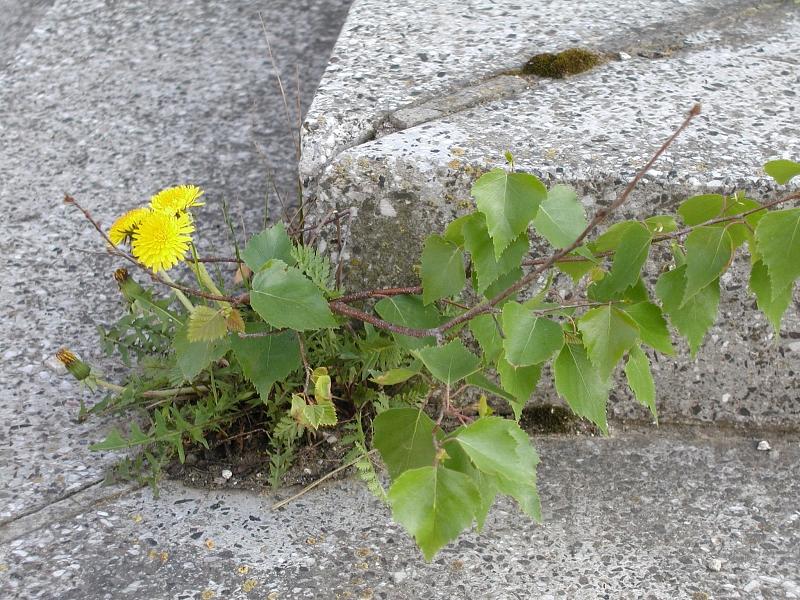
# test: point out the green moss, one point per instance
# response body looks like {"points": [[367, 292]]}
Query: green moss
{"points": [[557, 66]]}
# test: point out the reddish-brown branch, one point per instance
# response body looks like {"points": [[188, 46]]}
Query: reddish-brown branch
{"points": [[353, 313]]}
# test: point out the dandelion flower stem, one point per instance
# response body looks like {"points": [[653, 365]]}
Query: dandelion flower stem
{"points": [[181, 296]]}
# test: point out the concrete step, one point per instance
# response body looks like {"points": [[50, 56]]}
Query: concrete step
{"points": [[655, 513], [412, 110]]}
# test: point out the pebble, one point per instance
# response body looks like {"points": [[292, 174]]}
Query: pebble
{"points": [[752, 586], [726, 398], [763, 445], [794, 346], [331, 439], [399, 576], [226, 474], [714, 564]]}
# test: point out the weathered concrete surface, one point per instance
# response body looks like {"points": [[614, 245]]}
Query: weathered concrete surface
{"points": [[112, 101], [655, 514], [593, 131]]}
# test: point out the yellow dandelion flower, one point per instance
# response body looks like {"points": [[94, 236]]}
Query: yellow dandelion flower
{"points": [[162, 240], [123, 228], [177, 199]]}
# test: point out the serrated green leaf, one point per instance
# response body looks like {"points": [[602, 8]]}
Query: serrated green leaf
{"points": [[498, 447], [709, 251], [313, 416], [487, 267], [443, 272], [778, 236], [782, 170], [434, 504], [284, 297], [206, 324], [520, 382], [578, 381], [193, 357], [640, 379], [404, 437], [503, 453], [409, 311], [508, 201], [268, 359], [454, 232], [272, 243], [113, 441], [503, 283], [530, 338], [652, 326], [449, 363], [560, 218], [486, 330], [761, 286], [322, 388], [694, 318], [629, 258], [607, 334]]}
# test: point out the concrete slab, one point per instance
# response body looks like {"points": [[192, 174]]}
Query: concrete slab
{"points": [[395, 54], [655, 514], [593, 131], [112, 102]]}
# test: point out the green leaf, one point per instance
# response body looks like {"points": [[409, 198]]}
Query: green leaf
{"points": [[479, 380], [530, 338], [709, 251], [442, 269], [773, 308], [498, 447], [652, 326], [454, 232], [113, 441], [395, 376], [487, 331], [508, 201], [434, 504], [778, 236], [268, 359], [580, 384], [458, 460], [607, 333], [660, 224], [503, 283], [631, 254], [314, 416], [503, 453], [782, 170], [520, 382], [699, 209], [488, 268], [404, 437], [640, 379], [284, 297], [560, 218], [272, 243], [409, 311], [449, 363], [193, 357], [694, 318], [206, 324], [576, 269]]}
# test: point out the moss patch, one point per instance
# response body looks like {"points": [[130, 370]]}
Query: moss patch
{"points": [[557, 66]]}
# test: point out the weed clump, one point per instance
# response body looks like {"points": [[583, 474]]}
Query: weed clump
{"points": [[557, 66]]}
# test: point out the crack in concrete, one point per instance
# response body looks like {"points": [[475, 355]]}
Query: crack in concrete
{"points": [[65, 507]]}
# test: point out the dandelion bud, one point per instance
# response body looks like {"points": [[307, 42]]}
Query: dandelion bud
{"points": [[129, 288], [79, 369]]}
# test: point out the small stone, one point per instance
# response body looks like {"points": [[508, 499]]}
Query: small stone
{"points": [[764, 446], [726, 398], [752, 586], [624, 56], [307, 471], [331, 439], [714, 564], [227, 474], [399, 576], [794, 347]]}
